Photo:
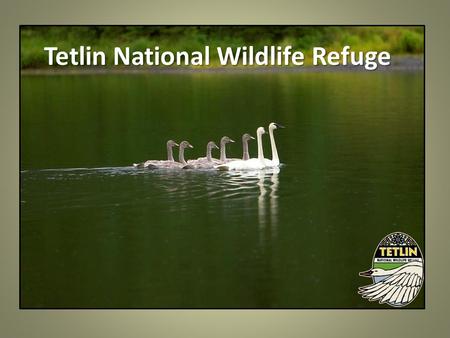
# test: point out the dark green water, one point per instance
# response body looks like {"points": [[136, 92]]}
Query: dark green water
{"points": [[118, 237]]}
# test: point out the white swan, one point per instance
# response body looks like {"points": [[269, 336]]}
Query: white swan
{"points": [[397, 287], [170, 144], [251, 164], [275, 161]]}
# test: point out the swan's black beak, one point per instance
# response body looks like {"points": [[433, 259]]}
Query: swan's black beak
{"points": [[279, 125], [367, 273]]}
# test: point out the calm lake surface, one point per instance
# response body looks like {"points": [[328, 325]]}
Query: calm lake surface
{"points": [[96, 232]]}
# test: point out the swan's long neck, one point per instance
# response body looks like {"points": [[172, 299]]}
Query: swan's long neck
{"points": [[170, 153], [208, 153], [275, 158], [181, 156], [245, 155], [223, 156], [260, 146]]}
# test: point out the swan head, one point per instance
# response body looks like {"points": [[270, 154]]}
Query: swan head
{"points": [[260, 131], [373, 272], [274, 126], [247, 137], [185, 144], [225, 140], [172, 143], [212, 145]]}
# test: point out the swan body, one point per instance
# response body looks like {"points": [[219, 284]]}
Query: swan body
{"points": [[251, 164], [159, 163], [397, 287]]}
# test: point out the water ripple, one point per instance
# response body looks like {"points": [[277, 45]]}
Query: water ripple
{"points": [[191, 184]]}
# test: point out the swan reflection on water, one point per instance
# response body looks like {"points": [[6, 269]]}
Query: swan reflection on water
{"points": [[267, 181], [236, 193]]}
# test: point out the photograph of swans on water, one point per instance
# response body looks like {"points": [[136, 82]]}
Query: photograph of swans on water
{"points": [[215, 188], [224, 163]]}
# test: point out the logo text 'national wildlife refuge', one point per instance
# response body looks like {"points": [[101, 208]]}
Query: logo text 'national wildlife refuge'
{"points": [[397, 271]]}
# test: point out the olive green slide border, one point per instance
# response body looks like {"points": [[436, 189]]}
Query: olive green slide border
{"points": [[431, 322]]}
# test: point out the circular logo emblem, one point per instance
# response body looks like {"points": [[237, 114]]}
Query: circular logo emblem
{"points": [[397, 271]]}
